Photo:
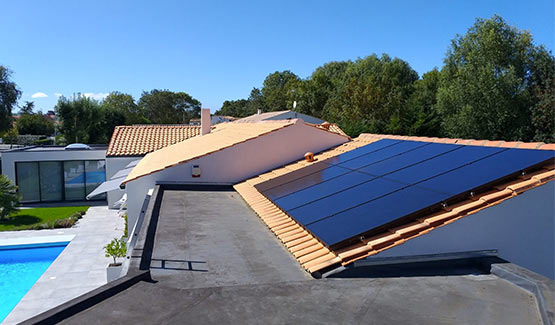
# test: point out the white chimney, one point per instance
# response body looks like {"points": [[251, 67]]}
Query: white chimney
{"points": [[259, 111], [204, 121]]}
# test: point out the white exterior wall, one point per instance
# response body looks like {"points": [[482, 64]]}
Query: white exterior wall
{"points": [[522, 229], [293, 114], [113, 165], [237, 163], [9, 158]]}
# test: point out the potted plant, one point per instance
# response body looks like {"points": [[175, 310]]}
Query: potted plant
{"points": [[116, 248]]}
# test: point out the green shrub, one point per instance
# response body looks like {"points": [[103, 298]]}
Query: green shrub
{"points": [[9, 199], [116, 248]]}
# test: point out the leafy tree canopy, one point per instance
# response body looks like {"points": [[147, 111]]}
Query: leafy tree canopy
{"points": [[9, 94], [495, 84], [167, 107]]}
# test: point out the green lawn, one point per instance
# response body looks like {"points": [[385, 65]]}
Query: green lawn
{"points": [[41, 218]]}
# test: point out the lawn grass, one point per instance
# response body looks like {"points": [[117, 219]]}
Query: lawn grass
{"points": [[39, 218]]}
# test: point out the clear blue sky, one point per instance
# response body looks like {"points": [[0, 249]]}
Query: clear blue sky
{"points": [[219, 50]]}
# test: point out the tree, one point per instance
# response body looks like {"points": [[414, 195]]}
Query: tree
{"points": [[167, 107], [491, 82], [279, 90], [236, 108], [9, 94], [82, 120], [422, 117], [120, 103], [9, 199], [244, 107], [374, 96], [325, 83], [36, 124], [27, 108]]}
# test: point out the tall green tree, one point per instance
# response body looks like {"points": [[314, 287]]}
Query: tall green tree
{"points": [[325, 83], [27, 108], [422, 117], [279, 90], [9, 94], [236, 108], [82, 120], [167, 107], [490, 81], [117, 103], [374, 98], [35, 124]]}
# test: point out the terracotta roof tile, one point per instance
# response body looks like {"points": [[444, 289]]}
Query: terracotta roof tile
{"points": [[138, 140], [314, 256]]}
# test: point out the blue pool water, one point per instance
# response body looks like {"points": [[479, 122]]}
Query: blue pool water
{"points": [[20, 267]]}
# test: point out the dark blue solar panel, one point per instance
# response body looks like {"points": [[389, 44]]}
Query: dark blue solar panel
{"points": [[369, 148], [487, 170], [305, 181], [441, 164], [321, 190], [394, 179], [409, 158], [382, 154], [343, 200], [373, 214]]}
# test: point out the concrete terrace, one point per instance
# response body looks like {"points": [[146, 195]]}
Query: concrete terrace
{"points": [[80, 268], [204, 257]]}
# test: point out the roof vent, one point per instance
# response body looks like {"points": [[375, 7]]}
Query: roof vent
{"points": [[309, 156], [259, 111], [77, 146]]}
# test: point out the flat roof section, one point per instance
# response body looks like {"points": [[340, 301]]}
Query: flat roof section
{"points": [[483, 299], [212, 238]]}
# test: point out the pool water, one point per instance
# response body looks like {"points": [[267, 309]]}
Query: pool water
{"points": [[20, 267]]}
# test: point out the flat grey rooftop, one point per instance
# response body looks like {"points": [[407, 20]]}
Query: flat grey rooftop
{"points": [[482, 299], [212, 238]]}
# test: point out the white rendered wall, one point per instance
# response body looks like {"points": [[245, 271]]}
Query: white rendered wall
{"points": [[238, 163], [9, 158], [522, 229], [113, 165]]}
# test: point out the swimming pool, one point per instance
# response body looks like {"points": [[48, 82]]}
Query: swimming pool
{"points": [[20, 267]]}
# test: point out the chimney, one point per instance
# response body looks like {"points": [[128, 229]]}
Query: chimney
{"points": [[259, 111], [204, 121]]}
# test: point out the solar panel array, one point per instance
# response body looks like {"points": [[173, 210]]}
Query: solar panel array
{"points": [[388, 180]]}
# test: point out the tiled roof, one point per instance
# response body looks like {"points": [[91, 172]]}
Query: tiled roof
{"points": [[332, 127], [314, 256], [223, 135], [138, 140]]}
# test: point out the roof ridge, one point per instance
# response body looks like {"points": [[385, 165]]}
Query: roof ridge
{"points": [[473, 142]]}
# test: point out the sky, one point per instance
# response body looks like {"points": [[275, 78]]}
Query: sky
{"points": [[220, 50]]}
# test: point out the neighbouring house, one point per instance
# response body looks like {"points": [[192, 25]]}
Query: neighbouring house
{"points": [[132, 142], [55, 173], [280, 115]]}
